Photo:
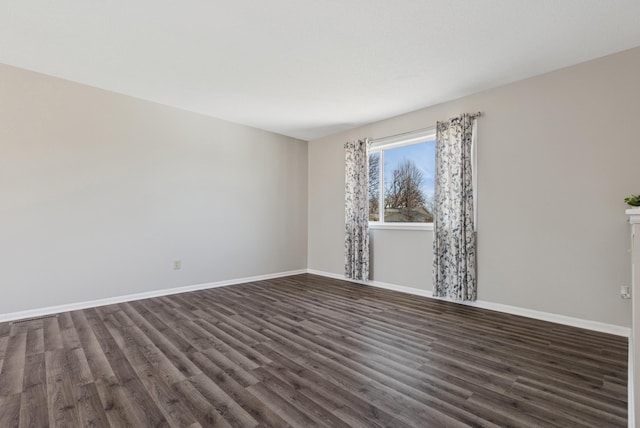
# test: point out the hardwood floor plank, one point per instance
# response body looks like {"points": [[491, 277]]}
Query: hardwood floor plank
{"points": [[33, 407], [579, 395], [388, 393], [91, 412], [237, 373], [141, 405], [245, 350], [173, 346], [140, 351], [11, 376], [202, 409], [93, 353], [34, 371], [317, 387], [233, 413], [60, 400], [253, 406], [570, 409], [10, 410], [4, 340], [52, 335], [288, 412], [25, 327], [116, 405], [170, 404], [348, 407], [5, 330], [70, 339], [299, 401], [65, 321], [35, 341]]}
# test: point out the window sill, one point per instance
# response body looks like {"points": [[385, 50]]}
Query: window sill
{"points": [[400, 226]]}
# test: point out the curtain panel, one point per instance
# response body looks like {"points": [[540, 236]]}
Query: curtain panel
{"points": [[356, 210], [454, 241]]}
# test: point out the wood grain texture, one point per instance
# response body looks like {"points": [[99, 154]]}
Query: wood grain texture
{"points": [[306, 351]]}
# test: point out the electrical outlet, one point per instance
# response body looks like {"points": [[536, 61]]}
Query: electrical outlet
{"points": [[625, 292], [177, 265]]}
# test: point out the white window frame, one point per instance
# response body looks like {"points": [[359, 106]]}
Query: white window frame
{"points": [[379, 146]]}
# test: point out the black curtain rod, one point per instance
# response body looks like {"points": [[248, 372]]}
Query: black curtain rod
{"points": [[417, 131], [471, 115]]}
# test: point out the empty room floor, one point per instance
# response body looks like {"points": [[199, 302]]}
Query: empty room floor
{"points": [[306, 351]]}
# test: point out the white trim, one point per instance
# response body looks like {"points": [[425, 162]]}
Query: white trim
{"points": [[601, 327], [381, 185], [634, 215], [408, 138], [33, 313], [529, 313], [376, 225], [631, 410], [514, 310]]}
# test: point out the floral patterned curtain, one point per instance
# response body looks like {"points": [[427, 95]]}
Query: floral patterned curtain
{"points": [[454, 241], [356, 210]]}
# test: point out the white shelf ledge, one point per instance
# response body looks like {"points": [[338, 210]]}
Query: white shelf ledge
{"points": [[634, 215]]}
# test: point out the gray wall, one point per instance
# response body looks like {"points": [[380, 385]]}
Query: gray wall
{"points": [[101, 192], [556, 156]]}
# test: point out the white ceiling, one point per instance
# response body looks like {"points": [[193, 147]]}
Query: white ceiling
{"points": [[308, 68]]}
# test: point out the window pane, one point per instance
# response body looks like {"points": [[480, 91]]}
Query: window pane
{"points": [[409, 173], [374, 187]]}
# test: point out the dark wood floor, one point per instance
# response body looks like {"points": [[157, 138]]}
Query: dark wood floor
{"points": [[306, 351]]}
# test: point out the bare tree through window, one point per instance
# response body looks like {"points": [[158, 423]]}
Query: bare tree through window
{"points": [[404, 199]]}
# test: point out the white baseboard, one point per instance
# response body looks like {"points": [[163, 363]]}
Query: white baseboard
{"points": [[40, 312], [529, 313], [514, 310], [631, 416]]}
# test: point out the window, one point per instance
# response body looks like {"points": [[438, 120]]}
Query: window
{"points": [[402, 178]]}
